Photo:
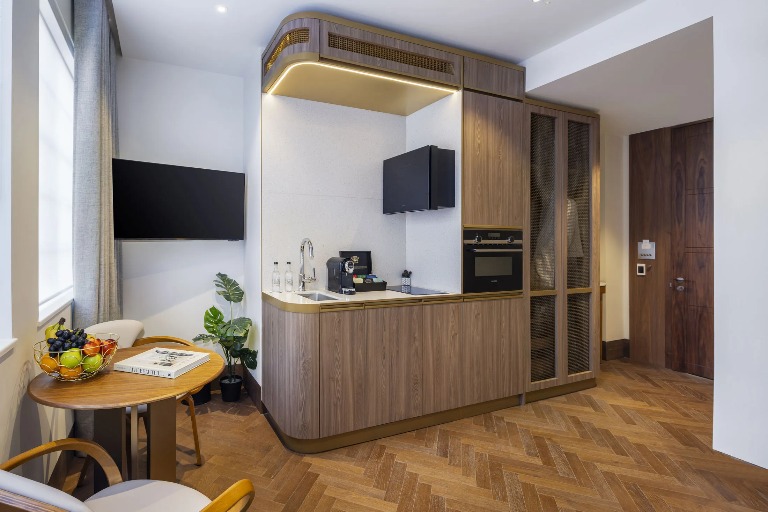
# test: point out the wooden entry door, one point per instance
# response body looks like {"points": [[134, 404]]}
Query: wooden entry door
{"points": [[690, 290]]}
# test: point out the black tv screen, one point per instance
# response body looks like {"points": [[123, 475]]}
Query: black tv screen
{"points": [[158, 201]]}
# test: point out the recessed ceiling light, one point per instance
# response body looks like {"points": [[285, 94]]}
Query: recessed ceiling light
{"points": [[222, 9]]}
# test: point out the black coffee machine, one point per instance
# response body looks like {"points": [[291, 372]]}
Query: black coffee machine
{"points": [[340, 271]]}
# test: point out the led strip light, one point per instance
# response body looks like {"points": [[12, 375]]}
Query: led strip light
{"points": [[358, 72]]}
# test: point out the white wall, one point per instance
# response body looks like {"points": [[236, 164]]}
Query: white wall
{"points": [[741, 342], [23, 423], [433, 238], [614, 230], [252, 161], [181, 116], [322, 179]]}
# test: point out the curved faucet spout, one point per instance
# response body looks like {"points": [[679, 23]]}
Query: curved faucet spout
{"points": [[303, 278]]}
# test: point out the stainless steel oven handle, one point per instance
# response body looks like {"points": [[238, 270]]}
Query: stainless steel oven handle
{"points": [[495, 250]]}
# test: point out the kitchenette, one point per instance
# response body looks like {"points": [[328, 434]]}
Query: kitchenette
{"points": [[430, 234]]}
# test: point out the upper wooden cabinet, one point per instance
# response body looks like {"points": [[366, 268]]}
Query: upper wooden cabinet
{"points": [[484, 76], [297, 40], [379, 52], [562, 257], [493, 185]]}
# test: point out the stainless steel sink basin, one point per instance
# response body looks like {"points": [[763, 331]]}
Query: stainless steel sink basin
{"points": [[316, 296]]}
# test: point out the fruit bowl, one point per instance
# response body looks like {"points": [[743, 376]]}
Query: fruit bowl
{"points": [[74, 360]]}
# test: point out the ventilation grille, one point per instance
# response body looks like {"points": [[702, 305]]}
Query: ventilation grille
{"points": [[378, 51], [298, 36], [579, 205], [543, 167], [543, 338], [578, 332]]}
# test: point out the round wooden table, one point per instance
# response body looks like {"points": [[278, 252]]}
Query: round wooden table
{"points": [[110, 392]]}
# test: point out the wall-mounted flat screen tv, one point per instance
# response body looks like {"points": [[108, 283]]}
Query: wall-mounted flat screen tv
{"points": [[170, 202]]}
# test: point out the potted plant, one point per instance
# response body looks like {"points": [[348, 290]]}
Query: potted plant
{"points": [[231, 335]]}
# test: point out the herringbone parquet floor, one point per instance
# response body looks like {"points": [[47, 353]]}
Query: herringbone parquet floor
{"points": [[639, 441]]}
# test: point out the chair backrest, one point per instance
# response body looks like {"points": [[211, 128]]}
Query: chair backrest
{"points": [[13, 484], [128, 330]]}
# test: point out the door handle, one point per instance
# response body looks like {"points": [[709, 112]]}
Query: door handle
{"points": [[680, 288], [679, 279]]}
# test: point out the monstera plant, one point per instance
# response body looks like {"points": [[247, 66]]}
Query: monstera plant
{"points": [[231, 335]]}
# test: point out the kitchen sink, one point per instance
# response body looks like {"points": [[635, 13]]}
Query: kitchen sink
{"points": [[316, 296]]}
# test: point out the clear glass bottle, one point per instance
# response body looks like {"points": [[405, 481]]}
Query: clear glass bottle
{"points": [[276, 279], [288, 278]]}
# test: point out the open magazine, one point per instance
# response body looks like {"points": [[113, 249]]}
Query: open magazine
{"points": [[162, 362]]}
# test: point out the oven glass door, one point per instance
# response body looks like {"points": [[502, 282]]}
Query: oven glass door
{"points": [[491, 269]]}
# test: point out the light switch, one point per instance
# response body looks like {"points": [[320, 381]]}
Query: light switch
{"points": [[641, 269]]}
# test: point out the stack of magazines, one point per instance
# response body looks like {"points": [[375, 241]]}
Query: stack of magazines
{"points": [[162, 362]]}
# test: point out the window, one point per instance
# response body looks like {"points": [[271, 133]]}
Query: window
{"points": [[55, 165]]}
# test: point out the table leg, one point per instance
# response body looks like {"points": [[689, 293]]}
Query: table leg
{"points": [[161, 440], [134, 442], [109, 432]]}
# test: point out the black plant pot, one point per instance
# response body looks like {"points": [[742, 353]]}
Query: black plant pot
{"points": [[203, 396], [230, 388]]}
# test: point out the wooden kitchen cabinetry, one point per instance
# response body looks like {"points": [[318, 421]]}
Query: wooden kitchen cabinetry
{"points": [[442, 340], [493, 188], [562, 255], [487, 77], [370, 367], [492, 356]]}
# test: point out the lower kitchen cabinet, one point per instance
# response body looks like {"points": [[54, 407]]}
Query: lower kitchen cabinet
{"points": [[442, 359], [491, 353], [370, 367]]}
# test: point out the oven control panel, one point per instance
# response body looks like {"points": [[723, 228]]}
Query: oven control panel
{"points": [[493, 237]]}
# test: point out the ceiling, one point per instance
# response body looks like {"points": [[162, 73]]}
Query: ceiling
{"points": [[666, 82], [192, 33]]}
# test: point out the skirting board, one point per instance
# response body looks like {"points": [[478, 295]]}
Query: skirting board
{"points": [[253, 388], [615, 349]]}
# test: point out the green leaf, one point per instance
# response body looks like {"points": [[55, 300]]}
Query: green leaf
{"points": [[250, 358], [212, 319], [228, 288], [235, 328], [205, 337]]}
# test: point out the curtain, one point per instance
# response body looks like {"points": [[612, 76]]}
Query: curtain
{"points": [[96, 280]]}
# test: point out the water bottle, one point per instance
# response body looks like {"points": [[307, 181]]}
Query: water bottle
{"points": [[276, 279], [288, 278]]}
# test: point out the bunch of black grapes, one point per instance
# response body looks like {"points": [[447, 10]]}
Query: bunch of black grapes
{"points": [[66, 339]]}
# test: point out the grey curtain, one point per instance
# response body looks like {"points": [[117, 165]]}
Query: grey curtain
{"points": [[96, 280], [96, 274]]}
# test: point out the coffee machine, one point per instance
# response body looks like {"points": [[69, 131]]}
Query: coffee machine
{"points": [[340, 272]]}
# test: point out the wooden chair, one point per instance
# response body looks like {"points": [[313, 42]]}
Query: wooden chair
{"points": [[185, 398], [20, 493]]}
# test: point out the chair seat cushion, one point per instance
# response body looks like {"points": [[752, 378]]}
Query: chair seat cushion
{"points": [[21, 486], [147, 496]]}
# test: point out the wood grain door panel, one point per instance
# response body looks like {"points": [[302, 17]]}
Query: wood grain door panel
{"points": [[700, 279], [483, 76], [492, 174], [344, 404], [698, 157], [700, 341], [699, 220], [442, 362]]}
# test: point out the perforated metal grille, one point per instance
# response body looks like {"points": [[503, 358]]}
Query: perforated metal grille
{"points": [[298, 36], [543, 338], [378, 51], [543, 167], [579, 205], [578, 332]]}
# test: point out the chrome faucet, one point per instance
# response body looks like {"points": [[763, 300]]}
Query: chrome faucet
{"points": [[303, 278]]}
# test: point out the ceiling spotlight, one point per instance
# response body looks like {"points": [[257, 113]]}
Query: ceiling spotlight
{"points": [[222, 9]]}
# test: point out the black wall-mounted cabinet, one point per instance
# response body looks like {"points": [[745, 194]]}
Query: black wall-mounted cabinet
{"points": [[422, 179]]}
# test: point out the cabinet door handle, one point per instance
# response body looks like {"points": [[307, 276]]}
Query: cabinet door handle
{"points": [[496, 250]]}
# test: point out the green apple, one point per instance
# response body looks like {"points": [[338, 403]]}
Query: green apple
{"points": [[71, 358], [92, 363]]}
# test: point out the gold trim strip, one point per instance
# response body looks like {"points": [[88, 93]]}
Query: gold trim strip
{"points": [[437, 300], [289, 306], [473, 297], [397, 304], [543, 394], [542, 293], [482, 226], [575, 291], [388, 429], [331, 309], [562, 108]]}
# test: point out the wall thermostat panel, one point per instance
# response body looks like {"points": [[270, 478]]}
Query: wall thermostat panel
{"points": [[646, 250]]}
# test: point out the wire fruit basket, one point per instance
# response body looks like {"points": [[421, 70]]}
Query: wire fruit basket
{"points": [[77, 362]]}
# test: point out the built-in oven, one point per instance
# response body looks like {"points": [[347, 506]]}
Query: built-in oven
{"points": [[493, 260]]}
